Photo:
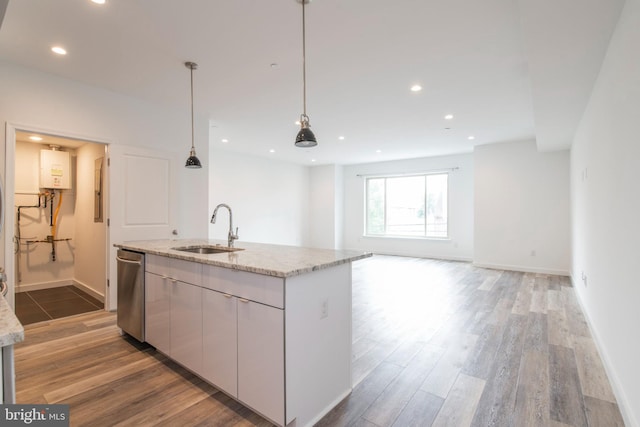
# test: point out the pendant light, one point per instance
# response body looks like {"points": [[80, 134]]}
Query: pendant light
{"points": [[192, 162], [305, 137]]}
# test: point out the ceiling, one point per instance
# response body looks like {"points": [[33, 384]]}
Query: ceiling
{"points": [[506, 70]]}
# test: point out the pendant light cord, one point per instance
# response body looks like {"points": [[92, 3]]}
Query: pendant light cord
{"points": [[304, 67], [192, 139], [192, 162], [305, 138]]}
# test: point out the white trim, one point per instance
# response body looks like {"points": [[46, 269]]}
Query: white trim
{"points": [[10, 216], [59, 133], [9, 188], [419, 255], [392, 236], [86, 288], [59, 284], [44, 285], [524, 269], [328, 408], [618, 390], [416, 173], [386, 177]]}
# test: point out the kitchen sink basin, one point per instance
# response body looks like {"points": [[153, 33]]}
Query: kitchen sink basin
{"points": [[207, 249]]}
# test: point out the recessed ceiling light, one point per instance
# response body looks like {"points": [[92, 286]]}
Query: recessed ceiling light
{"points": [[224, 140], [59, 50], [449, 116], [378, 151], [416, 88], [341, 138], [313, 160], [272, 151], [99, 1], [35, 138], [471, 137]]}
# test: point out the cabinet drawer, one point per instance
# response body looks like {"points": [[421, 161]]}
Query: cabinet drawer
{"points": [[267, 290], [184, 271]]}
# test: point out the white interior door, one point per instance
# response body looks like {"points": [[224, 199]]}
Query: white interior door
{"points": [[142, 200]]}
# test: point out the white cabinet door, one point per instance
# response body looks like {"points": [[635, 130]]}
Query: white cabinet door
{"points": [[158, 312], [261, 358], [186, 325], [220, 340]]}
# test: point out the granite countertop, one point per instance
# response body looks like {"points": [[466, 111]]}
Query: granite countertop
{"points": [[11, 330], [260, 258]]}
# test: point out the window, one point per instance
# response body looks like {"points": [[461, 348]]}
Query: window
{"points": [[414, 206]]}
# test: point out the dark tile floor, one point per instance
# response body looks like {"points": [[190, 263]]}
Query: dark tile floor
{"points": [[53, 303]]}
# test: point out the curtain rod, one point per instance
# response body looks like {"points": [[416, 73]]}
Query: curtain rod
{"points": [[422, 171]]}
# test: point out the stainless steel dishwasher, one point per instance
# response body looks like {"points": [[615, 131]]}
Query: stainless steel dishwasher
{"points": [[131, 293]]}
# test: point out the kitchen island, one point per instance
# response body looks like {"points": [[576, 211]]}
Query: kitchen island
{"points": [[11, 332], [269, 325]]}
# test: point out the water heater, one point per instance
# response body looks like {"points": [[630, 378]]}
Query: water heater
{"points": [[55, 169]]}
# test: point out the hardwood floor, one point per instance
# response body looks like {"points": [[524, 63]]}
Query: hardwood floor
{"points": [[436, 343]]}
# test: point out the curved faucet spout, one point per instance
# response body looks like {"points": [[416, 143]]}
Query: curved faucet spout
{"points": [[231, 236], [215, 212]]}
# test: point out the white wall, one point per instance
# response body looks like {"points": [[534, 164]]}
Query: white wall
{"points": [[326, 206], [91, 237], [521, 208], [34, 100], [460, 244], [269, 199], [606, 211]]}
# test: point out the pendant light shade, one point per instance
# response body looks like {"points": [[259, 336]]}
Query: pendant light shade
{"points": [[305, 137], [192, 162]]}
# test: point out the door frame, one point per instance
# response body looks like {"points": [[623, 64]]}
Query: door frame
{"points": [[10, 187]]}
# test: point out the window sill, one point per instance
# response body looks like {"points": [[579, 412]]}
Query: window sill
{"points": [[439, 239]]}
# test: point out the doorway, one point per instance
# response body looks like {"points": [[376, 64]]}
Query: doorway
{"points": [[59, 231]]}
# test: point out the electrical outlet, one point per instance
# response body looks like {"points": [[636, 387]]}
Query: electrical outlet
{"points": [[324, 308]]}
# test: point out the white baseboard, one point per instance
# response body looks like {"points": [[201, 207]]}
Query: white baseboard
{"points": [[416, 255], [84, 287], [618, 391], [523, 269], [328, 408], [43, 285], [60, 284]]}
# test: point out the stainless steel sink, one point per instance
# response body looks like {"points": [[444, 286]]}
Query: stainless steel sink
{"points": [[207, 249]]}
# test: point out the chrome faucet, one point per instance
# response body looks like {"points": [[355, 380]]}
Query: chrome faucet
{"points": [[232, 236]]}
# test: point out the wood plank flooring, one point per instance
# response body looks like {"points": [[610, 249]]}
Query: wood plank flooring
{"points": [[436, 343]]}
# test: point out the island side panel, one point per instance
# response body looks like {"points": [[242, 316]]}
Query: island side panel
{"points": [[317, 342]]}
